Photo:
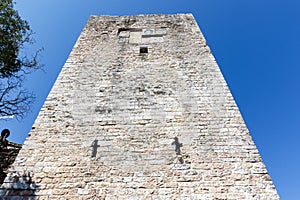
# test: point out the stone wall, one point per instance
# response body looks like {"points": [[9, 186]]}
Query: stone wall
{"points": [[141, 110]]}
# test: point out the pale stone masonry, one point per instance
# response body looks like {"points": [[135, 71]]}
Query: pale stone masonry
{"points": [[140, 110]]}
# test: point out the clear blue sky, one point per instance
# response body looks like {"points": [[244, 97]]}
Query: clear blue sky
{"points": [[256, 44]]}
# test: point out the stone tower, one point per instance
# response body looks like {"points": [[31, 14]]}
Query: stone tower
{"points": [[140, 110]]}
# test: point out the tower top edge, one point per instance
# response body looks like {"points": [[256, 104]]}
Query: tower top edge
{"points": [[141, 17]]}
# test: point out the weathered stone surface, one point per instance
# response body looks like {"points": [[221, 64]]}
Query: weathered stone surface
{"points": [[107, 129]]}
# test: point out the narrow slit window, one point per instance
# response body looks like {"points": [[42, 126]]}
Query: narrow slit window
{"points": [[143, 50]]}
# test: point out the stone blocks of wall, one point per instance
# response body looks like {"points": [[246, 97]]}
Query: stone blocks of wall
{"points": [[141, 110]]}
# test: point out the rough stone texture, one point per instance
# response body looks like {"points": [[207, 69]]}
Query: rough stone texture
{"points": [[106, 131]]}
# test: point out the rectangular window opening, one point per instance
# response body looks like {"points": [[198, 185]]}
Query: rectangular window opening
{"points": [[143, 50]]}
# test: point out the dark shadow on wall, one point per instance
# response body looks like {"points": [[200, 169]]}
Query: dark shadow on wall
{"points": [[94, 146]]}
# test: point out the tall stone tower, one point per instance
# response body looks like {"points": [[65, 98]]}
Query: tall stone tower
{"points": [[140, 110]]}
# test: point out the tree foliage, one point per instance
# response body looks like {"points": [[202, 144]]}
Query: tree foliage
{"points": [[15, 33]]}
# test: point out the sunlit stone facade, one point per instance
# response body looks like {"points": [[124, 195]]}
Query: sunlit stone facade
{"points": [[140, 110]]}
